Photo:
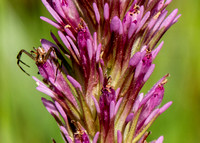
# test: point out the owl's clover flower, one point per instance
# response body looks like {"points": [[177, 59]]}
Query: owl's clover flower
{"points": [[106, 55]]}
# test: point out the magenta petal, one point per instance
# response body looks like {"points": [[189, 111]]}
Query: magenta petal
{"points": [[117, 93], [168, 21], [96, 104], [120, 28], [50, 107], [119, 136], [112, 109], [141, 13], [96, 137], [47, 45], [176, 19], [95, 41], [156, 51], [74, 82], [98, 53], [144, 19], [151, 116], [149, 72], [115, 24], [159, 21], [69, 32], [138, 69], [64, 131], [132, 29], [64, 40], [74, 46], [89, 49], [129, 117], [61, 111], [160, 5], [160, 139], [117, 105], [100, 75], [106, 11], [96, 11], [168, 2], [165, 107], [51, 22], [43, 88], [137, 102], [135, 59], [53, 13]]}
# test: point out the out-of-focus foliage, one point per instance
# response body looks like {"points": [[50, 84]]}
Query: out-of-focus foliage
{"points": [[24, 119]]}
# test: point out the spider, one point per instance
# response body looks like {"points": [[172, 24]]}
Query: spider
{"points": [[40, 56]]}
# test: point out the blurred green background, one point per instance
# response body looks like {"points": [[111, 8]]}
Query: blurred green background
{"points": [[23, 119]]}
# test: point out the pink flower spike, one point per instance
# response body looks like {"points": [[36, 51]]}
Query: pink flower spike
{"points": [[74, 82], [96, 11], [106, 11], [165, 107], [97, 66]]}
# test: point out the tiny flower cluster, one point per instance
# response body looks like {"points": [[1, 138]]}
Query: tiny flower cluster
{"points": [[105, 56]]}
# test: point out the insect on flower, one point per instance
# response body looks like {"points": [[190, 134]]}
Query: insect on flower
{"points": [[39, 55]]}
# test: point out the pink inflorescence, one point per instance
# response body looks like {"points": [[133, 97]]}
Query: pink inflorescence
{"points": [[105, 56]]}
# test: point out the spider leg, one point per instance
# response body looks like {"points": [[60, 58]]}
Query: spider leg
{"points": [[19, 57]]}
